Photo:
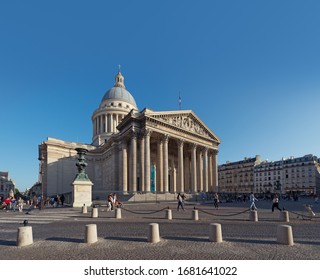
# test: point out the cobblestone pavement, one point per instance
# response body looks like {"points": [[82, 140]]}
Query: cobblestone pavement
{"points": [[58, 233]]}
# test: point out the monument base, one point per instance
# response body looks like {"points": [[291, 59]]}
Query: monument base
{"points": [[82, 193]]}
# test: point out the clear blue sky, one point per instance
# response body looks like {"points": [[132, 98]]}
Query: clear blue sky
{"points": [[249, 69]]}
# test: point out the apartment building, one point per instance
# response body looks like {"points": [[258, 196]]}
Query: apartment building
{"points": [[237, 177], [286, 176]]}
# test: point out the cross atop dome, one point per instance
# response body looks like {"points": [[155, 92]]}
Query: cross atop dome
{"points": [[119, 79]]}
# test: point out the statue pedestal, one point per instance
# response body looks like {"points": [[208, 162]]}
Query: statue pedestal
{"points": [[82, 193]]}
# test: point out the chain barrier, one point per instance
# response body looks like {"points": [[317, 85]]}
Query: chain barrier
{"points": [[308, 216], [144, 212], [226, 215]]}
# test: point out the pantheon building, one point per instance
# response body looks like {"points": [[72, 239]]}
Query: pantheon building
{"points": [[135, 151]]}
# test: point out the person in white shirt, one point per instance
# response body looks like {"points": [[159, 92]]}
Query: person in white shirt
{"points": [[253, 199]]}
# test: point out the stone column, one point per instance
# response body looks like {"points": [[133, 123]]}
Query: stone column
{"points": [[94, 127], [200, 171], [194, 168], [101, 127], [133, 162], [174, 179], [186, 166], [160, 165], [205, 169], [111, 123], [215, 171], [106, 123], [142, 177], [210, 172], [147, 160], [180, 166], [124, 167], [165, 164], [115, 122]]}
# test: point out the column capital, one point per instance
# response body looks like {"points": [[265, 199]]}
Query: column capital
{"points": [[164, 137], [180, 142], [146, 132], [124, 144], [133, 135], [214, 152]]}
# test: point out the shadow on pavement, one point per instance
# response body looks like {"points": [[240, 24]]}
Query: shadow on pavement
{"points": [[250, 241], [186, 238], [133, 239], [65, 239], [8, 243]]}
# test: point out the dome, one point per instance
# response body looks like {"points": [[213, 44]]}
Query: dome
{"points": [[119, 93]]}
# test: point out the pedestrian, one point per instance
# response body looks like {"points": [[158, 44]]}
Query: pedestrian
{"points": [[275, 202], [216, 200], [7, 203], [13, 203], [110, 202], [35, 201], [180, 199], [62, 198], [253, 199], [20, 204]]}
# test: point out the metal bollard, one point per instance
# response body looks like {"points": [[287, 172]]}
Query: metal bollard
{"points": [[215, 233], [24, 236], [284, 235], [153, 236], [91, 234]]}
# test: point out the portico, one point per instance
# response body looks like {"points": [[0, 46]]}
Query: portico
{"points": [[165, 155]]}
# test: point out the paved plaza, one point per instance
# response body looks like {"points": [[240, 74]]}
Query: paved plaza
{"points": [[58, 233]]}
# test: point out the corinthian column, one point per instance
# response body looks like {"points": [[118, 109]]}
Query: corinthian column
{"points": [[215, 171], [165, 164], [147, 135], [194, 168], [160, 165], [133, 162], [180, 165], [200, 171], [124, 167], [205, 169], [210, 171], [142, 177]]}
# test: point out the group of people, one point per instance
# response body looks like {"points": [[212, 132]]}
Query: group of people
{"points": [[253, 199], [11, 203], [275, 202], [113, 202]]}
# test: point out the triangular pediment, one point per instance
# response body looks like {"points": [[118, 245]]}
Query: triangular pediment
{"points": [[184, 119]]}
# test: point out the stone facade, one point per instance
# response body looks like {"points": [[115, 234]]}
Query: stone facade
{"points": [[136, 151], [238, 177], [289, 176], [286, 176], [6, 184]]}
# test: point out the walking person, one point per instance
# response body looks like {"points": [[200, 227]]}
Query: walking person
{"points": [[20, 204], [275, 202], [216, 200], [62, 199], [180, 199], [253, 199], [13, 204]]}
